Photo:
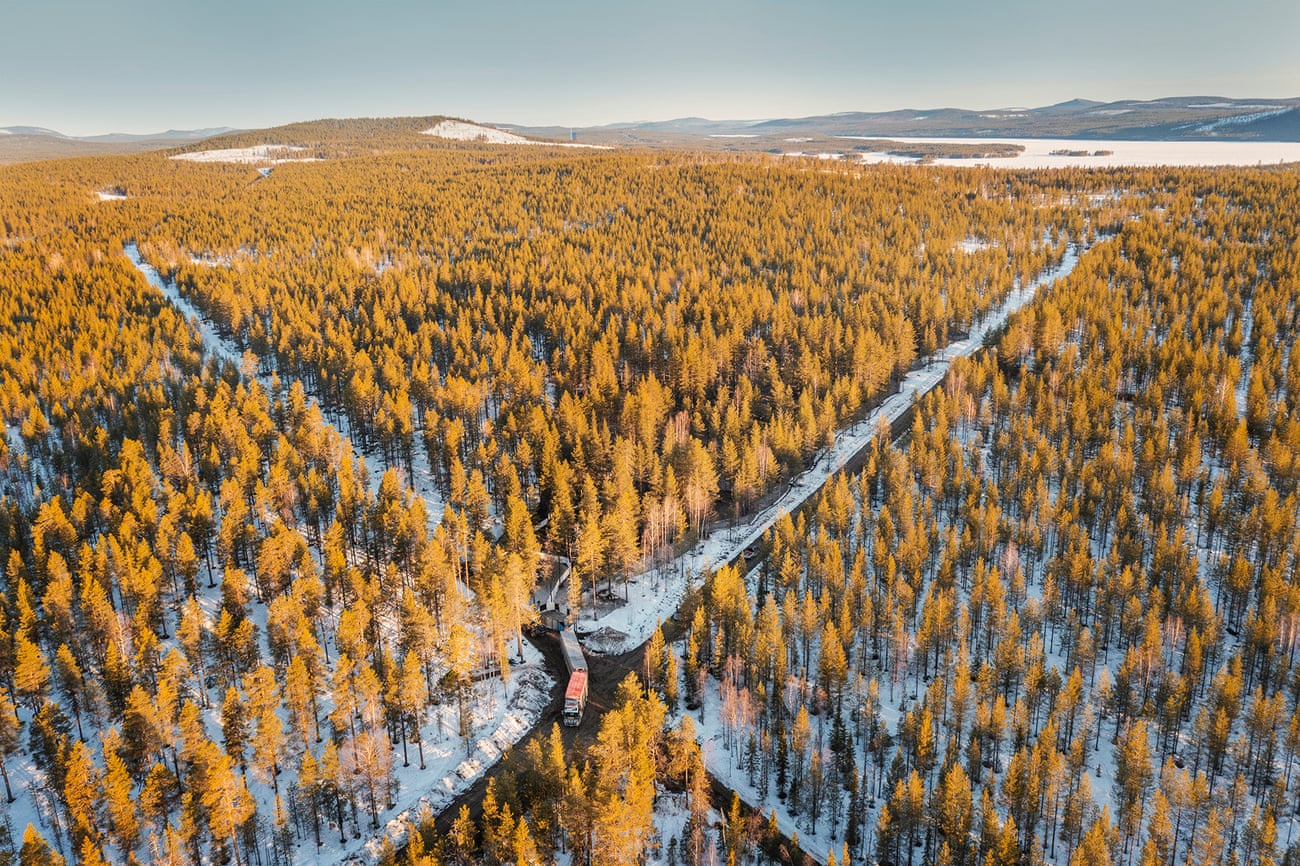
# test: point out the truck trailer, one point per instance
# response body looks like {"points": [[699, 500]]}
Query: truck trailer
{"points": [[575, 695]]}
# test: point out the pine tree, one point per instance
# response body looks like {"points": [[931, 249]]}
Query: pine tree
{"points": [[267, 737], [670, 680], [1133, 778], [234, 726], [81, 789], [36, 851], [300, 700], [592, 541], [654, 661], [31, 674], [227, 802], [119, 803], [952, 805]]}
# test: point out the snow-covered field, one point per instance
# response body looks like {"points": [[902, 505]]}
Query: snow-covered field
{"points": [[654, 595], [459, 130], [258, 153], [1038, 152]]}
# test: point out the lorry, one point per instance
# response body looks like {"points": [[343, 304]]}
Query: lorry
{"points": [[575, 694]]}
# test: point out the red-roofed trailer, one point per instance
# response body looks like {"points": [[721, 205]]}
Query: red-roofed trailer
{"points": [[575, 696]]}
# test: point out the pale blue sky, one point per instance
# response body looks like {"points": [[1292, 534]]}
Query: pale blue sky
{"points": [[93, 66]]}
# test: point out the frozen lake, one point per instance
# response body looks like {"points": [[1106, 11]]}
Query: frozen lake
{"points": [[1038, 152]]}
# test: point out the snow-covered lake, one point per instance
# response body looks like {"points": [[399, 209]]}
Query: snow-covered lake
{"points": [[1038, 152]]}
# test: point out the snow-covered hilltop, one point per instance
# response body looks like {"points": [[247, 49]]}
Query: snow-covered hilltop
{"points": [[459, 130], [258, 153]]}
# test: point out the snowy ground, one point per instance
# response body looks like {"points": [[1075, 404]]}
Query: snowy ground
{"points": [[422, 480], [974, 245], [449, 771], [501, 714], [276, 153], [1038, 152], [725, 766], [459, 130], [655, 594], [212, 341], [671, 814]]}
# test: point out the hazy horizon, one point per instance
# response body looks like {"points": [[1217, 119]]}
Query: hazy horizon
{"points": [[143, 66], [629, 120]]}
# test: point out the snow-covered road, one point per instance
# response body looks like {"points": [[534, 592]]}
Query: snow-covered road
{"points": [[500, 717], [657, 593]]}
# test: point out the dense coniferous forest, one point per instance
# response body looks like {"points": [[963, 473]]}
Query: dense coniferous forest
{"points": [[254, 579]]}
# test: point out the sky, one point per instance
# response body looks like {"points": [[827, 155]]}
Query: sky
{"points": [[95, 66]]}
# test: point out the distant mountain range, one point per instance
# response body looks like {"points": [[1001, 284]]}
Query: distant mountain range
{"points": [[1192, 118], [26, 143], [170, 137]]}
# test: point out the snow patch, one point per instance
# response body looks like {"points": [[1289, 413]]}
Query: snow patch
{"points": [[605, 640], [275, 153], [1240, 119], [974, 245], [459, 130]]}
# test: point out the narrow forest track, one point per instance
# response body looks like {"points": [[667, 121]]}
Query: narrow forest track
{"points": [[606, 674], [608, 671]]}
